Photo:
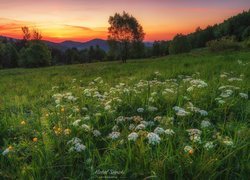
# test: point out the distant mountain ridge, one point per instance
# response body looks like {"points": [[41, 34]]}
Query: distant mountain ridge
{"points": [[103, 44]]}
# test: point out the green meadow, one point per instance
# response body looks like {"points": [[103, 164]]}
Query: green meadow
{"points": [[179, 116]]}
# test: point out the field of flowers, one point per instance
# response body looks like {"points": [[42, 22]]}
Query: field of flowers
{"points": [[184, 116]]}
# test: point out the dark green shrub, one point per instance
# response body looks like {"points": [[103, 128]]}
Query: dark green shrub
{"points": [[225, 43]]}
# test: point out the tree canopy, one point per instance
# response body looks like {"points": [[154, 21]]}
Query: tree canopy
{"points": [[124, 31]]}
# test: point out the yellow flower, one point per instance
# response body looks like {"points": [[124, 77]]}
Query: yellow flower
{"points": [[47, 115], [35, 139], [23, 123], [10, 148], [62, 110]]}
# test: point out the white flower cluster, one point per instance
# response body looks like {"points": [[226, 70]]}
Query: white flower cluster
{"points": [[159, 131], [194, 135], [209, 145], [169, 132], [197, 83], [226, 93], [76, 145], [67, 96], [205, 124], [133, 136], [180, 111], [243, 95], [114, 135], [153, 138]]}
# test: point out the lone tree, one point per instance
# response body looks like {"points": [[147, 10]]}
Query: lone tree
{"points": [[124, 31]]}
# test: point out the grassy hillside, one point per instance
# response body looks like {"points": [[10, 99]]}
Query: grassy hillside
{"points": [[189, 115]]}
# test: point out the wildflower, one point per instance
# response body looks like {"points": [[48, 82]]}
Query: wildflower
{"points": [[159, 131], [243, 95], [96, 133], [234, 79], [133, 136], [152, 109], [203, 112], [34, 139], [114, 135], [189, 150], [226, 93], [194, 132], [120, 119], [131, 127], [7, 150], [180, 111], [76, 122], [158, 118], [107, 107], [57, 130], [67, 131], [98, 114], [62, 109], [194, 135], [140, 110], [74, 141], [78, 147], [86, 118], [205, 124], [195, 138], [85, 109], [168, 90], [198, 83], [85, 127], [115, 128], [137, 119], [153, 138], [140, 127], [228, 142], [57, 101], [169, 132], [23, 123], [209, 145]]}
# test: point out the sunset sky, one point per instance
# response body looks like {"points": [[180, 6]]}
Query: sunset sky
{"points": [[82, 20]]}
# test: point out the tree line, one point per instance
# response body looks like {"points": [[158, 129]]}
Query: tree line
{"points": [[125, 39]]}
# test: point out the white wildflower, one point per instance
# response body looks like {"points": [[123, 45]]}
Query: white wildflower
{"points": [[86, 128], [209, 145], [131, 127], [6, 151], [203, 112], [140, 127], [133, 136], [114, 135], [226, 93], [243, 95], [152, 109], [205, 124], [140, 110], [96, 133], [228, 142], [153, 138], [169, 132], [159, 131], [76, 122]]}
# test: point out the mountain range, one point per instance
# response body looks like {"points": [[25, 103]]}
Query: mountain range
{"points": [[103, 44]]}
